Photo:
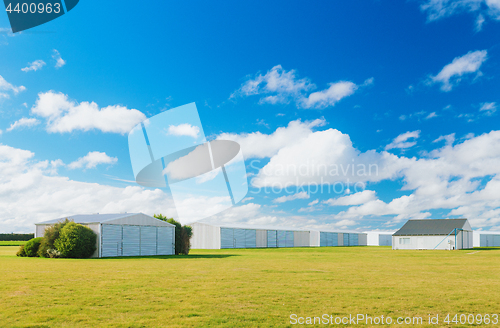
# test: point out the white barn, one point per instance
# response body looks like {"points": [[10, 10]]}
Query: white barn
{"points": [[125, 234], [434, 234]]}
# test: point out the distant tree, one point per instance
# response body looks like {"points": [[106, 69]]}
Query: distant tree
{"points": [[183, 235]]}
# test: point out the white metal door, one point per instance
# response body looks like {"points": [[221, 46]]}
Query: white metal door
{"points": [[166, 241], [111, 240], [148, 240], [131, 240]]}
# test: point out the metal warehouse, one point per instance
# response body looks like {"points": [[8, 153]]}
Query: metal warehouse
{"points": [[210, 236], [379, 238], [434, 234], [486, 238], [125, 234]]}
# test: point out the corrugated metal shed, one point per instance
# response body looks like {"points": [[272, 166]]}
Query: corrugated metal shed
{"points": [[432, 227]]}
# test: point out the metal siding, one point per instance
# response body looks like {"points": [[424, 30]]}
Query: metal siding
{"points": [[385, 240], [226, 238], [346, 239], [335, 239], [111, 240], [272, 238], [301, 239], [205, 236], [353, 239], [289, 239], [281, 238], [340, 239], [166, 241], [250, 238], [131, 240], [323, 239], [496, 240], [239, 238], [148, 240], [261, 238]]}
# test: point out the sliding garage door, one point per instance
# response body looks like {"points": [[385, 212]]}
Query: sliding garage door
{"points": [[281, 238], [239, 238], [384, 240], [250, 238], [111, 240], [148, 240], [289, 239], [131, 240], [226, 238], [346, 239], [328, 239], [272, 238], [166, 241], [353, 239]]}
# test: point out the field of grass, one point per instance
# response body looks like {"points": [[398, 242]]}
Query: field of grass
{"points": [[12, 243], [246, 288]]}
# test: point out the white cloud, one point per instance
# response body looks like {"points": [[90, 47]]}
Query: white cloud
{"points": [[449, 139], [358, 198], [6, 86], [314, 202], [92, 159], [23, 122], [184, 129], [246, 199], [402, 142], [34, 66], [63, 115], [260, 145], [452, 73], [299, 195], [431, 115], [279, 86], [438, 9], [488, 108], [57, 57]]}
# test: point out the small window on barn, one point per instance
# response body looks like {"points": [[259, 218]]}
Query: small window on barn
{"points": [[404, 241]]}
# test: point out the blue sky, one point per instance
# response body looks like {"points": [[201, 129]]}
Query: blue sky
{"points": [[411, 86]]}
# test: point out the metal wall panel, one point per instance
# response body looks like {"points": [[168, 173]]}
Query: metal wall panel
{"points": [[335, 239], [226, 238], [340, 238], [148, 240], [496, 240], [289, 239], [385, 240], [272, 238], [131, 240], [111, 240], [261, 238], [346, 239], [250, 238], [301, 239], [323, 237], [281, 236], [353, 239], [166, 241], [239, 238]]}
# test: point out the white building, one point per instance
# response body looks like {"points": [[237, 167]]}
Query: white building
{"points": [[486, 238], [379, 238], [125, 234], [434, 234], [212, 236]]}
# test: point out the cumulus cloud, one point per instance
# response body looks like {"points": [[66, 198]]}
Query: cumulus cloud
{"points": [[401, 141], [63, 115], [57, 57], [92, 159], [184, 129], [279, 86], [34, 66], [6, 87], [354, 199], [23, 122], [438, 9], [452, 73], [299, 195]]}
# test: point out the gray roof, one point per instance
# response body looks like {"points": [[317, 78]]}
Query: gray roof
{"points": [[90, 218], [432, 227]]}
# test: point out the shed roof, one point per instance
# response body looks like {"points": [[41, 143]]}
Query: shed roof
{"points": [[119, 218], [432, 227]]}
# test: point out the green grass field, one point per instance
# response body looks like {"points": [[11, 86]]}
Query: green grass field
{"points": [[12, 243], [246, 288]]}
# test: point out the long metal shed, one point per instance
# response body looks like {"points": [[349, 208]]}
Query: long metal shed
{"points": [[332, 238], [434, 234], [213, 236], [486, 238], [379, 238], [124, 234]]}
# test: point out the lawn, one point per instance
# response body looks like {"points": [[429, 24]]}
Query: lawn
{"points": [[12, 243], [246, 288]]}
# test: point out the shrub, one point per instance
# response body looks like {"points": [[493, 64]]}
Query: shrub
{"points": [[47, 248], [21, 251], [31, 247], [76, 241], [183, 235]]}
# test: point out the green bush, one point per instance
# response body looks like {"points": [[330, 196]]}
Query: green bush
{"points": [[21, 251], [31, 247], [183, 235], [47, 248], [76, 241]]}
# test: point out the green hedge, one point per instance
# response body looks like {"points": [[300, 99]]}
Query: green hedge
{"points": [[31, 247], [16, 236]]}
